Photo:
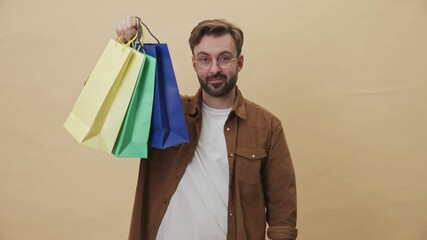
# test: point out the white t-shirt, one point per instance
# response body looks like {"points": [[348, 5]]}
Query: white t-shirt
{"points": [[198, 208]]}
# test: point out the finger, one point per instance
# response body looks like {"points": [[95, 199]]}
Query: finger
{"points": [[131, 22], [130, 27], [120, 28], [130, 34], [127, 28]]}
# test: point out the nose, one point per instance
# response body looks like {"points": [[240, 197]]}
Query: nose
{"points": [[215, 67]]}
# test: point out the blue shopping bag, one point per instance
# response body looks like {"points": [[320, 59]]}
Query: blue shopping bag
{"points": [[168, 127]]}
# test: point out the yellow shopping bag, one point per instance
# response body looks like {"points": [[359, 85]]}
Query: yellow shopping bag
{"points": [[101, 106]]}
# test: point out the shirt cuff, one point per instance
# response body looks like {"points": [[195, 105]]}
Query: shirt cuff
{"points": [[288, 233]]}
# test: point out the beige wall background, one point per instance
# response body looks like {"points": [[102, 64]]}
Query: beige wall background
{"points": [[348, 79]]}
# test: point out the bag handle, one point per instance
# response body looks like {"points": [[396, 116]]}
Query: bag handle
{"points": [[128, 43], [138, 40], [140, 28]]}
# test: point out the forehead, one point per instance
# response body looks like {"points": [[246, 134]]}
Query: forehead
{"points": [[215, 45]]}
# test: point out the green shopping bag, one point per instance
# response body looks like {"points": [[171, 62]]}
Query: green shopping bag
{"points": [[132, 140]]}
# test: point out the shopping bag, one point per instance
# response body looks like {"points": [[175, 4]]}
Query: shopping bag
{"points": [[101, 106], [168, 127], [132, 140]]}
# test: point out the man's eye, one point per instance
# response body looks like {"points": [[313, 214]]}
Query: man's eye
{"points": [[224, 59], [204, 60]]}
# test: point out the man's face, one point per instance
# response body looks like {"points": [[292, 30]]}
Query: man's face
{"points": [[215, 80]]}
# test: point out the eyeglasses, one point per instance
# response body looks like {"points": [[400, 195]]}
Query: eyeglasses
{"points": [[205, 62]]}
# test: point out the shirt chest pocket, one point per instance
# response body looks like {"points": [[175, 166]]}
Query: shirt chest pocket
{"points": [[248, 164]]}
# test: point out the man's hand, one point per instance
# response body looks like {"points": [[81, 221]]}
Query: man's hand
{"points": [[127, 28]]}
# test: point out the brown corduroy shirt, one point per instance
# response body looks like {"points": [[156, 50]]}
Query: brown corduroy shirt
{"points": [[262, 181]]}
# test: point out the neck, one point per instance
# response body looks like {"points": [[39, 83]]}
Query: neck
{"points": [[226, 101]]}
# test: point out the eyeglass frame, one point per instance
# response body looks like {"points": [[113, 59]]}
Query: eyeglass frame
{"points": [[217, 63]]}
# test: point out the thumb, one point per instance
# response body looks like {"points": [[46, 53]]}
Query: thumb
{"points": [[132, 22]]}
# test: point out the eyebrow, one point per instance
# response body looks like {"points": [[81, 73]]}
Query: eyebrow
{"points": [[221, 53]]}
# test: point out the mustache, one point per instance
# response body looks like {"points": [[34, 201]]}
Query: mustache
{"points": [[216, 76]]}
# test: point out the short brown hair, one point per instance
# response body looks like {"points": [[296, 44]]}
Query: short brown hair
{"points": [[216, 27]]}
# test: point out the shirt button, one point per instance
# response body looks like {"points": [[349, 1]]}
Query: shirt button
{"points": [[253, 156], [231, 214], [231, 154], [228, 129]]}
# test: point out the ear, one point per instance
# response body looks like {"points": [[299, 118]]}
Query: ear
{"points": [[240, 61], [194, 63]]}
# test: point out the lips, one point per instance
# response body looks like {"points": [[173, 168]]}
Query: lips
{"points": [[217, 79]]}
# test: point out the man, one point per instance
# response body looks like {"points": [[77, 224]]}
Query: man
{"points": [[235, 175]]}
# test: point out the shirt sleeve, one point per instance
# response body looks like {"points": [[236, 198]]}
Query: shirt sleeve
{"points": [[280, 187]]}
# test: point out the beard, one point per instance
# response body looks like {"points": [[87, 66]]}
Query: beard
{"points": [[218, 89]]}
